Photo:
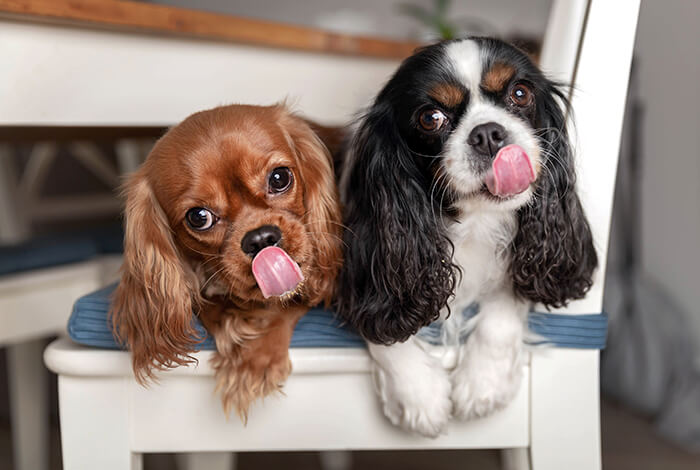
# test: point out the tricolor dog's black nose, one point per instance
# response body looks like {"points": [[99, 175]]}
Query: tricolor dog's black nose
{"points": [[487, 139], [261, 237]]}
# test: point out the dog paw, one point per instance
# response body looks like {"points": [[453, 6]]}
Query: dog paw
{"points": [[483, 384], [420, 402]]}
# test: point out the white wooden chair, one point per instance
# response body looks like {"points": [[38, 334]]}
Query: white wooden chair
{"points": [[35, 303], [34, 306], [108, 421]]}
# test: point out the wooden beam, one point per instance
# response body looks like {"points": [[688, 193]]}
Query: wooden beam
{"points": [[143, 17]]}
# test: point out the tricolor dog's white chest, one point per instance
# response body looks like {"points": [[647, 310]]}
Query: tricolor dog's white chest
{"points": [[482, 243], [481, 250]]}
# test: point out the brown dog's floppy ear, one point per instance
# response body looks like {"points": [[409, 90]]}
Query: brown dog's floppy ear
{"points": [[152, 307], [322, 217]]}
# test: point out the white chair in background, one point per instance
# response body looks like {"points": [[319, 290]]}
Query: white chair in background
{"points": [[35, 303], [108, 421]]}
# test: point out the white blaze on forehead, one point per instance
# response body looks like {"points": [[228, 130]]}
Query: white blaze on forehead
{"points": [[465, 57]]}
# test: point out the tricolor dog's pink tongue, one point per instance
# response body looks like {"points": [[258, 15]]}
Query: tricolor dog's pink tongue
{"points": [[511, 172], [275, 272]]}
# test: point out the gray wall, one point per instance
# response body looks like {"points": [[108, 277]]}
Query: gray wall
{"points": [[668, 57]]}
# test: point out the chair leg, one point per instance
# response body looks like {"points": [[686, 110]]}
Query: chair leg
{"points": [[335, 459], [565, 410], [10, 206], [206, 461], [28, 382], [515, 458], [95, 424]]}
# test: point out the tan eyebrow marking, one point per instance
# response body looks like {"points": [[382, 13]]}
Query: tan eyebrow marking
{"points": [[447, 94], [497, 77]]}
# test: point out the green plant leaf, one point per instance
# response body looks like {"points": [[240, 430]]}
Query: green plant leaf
{"points": [[436, 20]]}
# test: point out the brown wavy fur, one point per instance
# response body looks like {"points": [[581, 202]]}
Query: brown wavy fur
{"points": [[218, 159]]}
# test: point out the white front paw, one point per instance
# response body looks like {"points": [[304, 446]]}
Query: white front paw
{"points": [[484, 383], [417, 402]]}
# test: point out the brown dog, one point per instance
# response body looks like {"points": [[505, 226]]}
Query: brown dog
{"points": [[234, 216]]}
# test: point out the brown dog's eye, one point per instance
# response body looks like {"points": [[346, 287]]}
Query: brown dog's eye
{"points": [[200, 219], [521, 95], [280, 180], [432, 120]]}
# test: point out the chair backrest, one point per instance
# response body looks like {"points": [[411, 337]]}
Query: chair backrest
{"points": [[589, 45]]}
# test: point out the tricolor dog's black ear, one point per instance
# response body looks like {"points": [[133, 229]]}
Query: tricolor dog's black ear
{"points": [[553, 254], [397, 272]]}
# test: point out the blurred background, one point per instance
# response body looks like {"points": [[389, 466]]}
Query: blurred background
{"points": [[61, 185]]}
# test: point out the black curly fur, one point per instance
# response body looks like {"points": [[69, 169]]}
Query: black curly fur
{"points": [[398, 273], [553, 256]]}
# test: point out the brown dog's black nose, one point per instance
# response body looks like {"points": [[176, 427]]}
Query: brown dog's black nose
{"points": [[261, 237], [487, 139]]}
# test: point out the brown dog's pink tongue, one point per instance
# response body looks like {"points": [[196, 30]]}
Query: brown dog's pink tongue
{"points": [[275, 272], [511, 172]]}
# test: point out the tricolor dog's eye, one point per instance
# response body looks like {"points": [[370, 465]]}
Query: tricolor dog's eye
{"points": [[432, 120], [200, 219], [280, 180], [521, 95]]}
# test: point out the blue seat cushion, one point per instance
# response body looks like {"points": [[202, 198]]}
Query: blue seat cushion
{"points": [[49, 251], [89, 325]]}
